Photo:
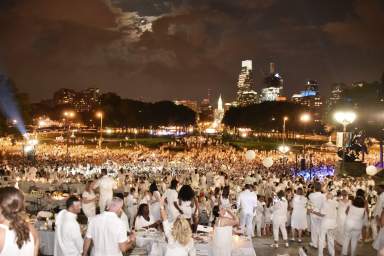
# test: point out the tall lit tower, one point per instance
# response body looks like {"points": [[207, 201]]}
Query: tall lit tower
{"points": [[245, 94]]}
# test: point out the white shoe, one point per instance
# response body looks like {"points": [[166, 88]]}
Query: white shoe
{"points": [[286, 245], [274, 246]]}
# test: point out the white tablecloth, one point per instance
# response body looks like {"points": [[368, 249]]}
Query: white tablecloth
{"points": [[155, 245]]}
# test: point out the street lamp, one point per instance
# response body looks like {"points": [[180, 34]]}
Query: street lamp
{"points": [[284, 120], [345, 118], [305, 118], [100, 115], [68, 115], [283, 148]]}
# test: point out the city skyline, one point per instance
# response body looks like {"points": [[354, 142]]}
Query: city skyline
{"points": [[164, 50]]}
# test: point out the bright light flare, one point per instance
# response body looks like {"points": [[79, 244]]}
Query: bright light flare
{"points": [[283, 149], [345, 117], [305, 118]]}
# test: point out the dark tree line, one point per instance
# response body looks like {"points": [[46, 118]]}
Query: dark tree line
{"points": [[269, 116], [130, 113], [119, 112]]}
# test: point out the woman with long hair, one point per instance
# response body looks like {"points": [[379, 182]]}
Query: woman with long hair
{"points": [[179, 235], [17, 237]]}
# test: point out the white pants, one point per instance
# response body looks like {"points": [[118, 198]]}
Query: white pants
{"points": [[257, 222], [246, 223], [315, 230], [103, 202], [279, 224], [330, 233], [351, 236], [131, 214]]}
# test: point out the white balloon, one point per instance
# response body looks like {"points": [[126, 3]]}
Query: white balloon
{"points": [[268, 162], [371, 170], [250, 155]]}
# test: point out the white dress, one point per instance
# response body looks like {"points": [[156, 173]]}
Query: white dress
{"points": [[222, 241], [341, 216], [154, 208], [10, 248], [89, 209], [299, 213]]}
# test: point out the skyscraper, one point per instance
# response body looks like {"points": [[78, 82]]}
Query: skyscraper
{"points": [[310, 98], [273, 89], [245, 94], [218, 113]]}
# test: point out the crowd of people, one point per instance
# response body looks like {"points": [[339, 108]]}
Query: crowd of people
{"points": [[128, 190]]}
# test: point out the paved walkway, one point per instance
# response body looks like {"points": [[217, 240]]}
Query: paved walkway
{"points": [[262, 247]]}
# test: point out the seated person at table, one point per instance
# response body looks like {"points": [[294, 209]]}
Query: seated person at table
{"points": [[179, 235], [144, 219]]}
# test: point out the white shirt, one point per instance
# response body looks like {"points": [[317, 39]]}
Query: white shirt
{"points": [[106, 231], [68, 239], [329, 209], [140, 222], [106, 185], [280, 209], [171, 196], [316, 199], [247, 201]]}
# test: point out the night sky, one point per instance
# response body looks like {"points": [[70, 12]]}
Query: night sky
{"points": [[193, 45]]}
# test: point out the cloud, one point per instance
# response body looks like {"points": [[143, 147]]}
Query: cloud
{"points": [[364, 29]]}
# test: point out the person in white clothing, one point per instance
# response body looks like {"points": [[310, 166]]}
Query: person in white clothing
{"points": [[106, 186], [299, 214], [15, 240], [246, 203], [343, 204], [89, 201], [68, 240], [279, 219], [179, 235], [378, 244], [328, 212], [353, 225], [316, 199], [107, 232], [131, 204], [171, 197], [224, 220]]}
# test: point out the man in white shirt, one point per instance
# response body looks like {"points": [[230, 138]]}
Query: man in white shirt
{"points": [[247, 202], [107, 232], [328, 212], [106, 186], [316, 199], [68, 239], [171, 196]]}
